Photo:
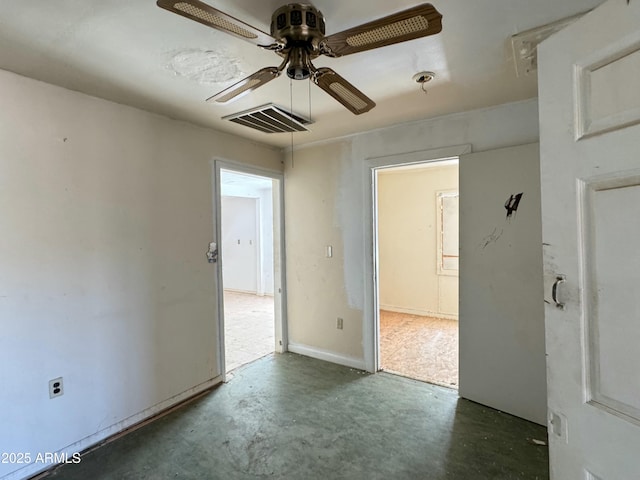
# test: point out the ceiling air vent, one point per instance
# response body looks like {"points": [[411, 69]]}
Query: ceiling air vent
{"points": [[270, 119]]}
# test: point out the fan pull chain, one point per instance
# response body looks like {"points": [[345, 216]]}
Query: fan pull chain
{"points": [[291, 113], [309, 86]]}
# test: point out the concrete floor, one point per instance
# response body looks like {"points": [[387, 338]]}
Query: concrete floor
{"points": [[293, 417]]}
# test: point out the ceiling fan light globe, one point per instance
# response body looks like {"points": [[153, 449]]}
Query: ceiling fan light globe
{"points": [[299, 67], [298, 73]]}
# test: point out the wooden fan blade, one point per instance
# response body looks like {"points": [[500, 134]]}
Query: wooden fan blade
{"points": [[415, 22], [342, 91], [245, 86], [214, 18]]}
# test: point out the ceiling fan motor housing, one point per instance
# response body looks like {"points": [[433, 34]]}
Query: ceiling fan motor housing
{"points": [[300, 27], [297, 22]]}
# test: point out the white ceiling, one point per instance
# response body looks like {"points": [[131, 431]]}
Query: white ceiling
{"points": [[128, 51], [231, 178], [234, 184]]}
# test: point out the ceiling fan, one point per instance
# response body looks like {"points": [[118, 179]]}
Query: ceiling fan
{"points": [[298, 36]]}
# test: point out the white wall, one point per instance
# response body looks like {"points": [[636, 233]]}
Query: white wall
{"points": [[328, 194], [239, 252], [316, 285], [106, 214], [267, 227], [265, 199], [408, 211]]}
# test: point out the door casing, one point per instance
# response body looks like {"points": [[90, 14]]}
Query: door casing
{"points": [[370, 327], [280, 296]]}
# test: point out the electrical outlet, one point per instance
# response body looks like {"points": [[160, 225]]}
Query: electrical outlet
{"points": [[56, 387], [339, 323]]}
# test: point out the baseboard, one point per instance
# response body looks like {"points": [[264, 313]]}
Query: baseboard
{"points": [[236, 290], [422, 313], [249, 292], [327, 356], [107, 433]]}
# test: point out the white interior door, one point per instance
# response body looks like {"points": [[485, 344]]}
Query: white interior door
{"points": [[590, 168], [502, 361]]}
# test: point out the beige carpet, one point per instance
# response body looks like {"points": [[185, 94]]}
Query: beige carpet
{"points": [[248, 328], [418, 347]]}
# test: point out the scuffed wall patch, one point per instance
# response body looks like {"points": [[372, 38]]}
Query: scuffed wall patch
{"points": [[493, 237], [207, 67], [348, 209]]}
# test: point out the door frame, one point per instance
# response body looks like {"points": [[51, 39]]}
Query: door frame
{"points": [[371, 326], [279, 260]]}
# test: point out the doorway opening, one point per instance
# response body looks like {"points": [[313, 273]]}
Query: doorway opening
{"points": [[250, 270], [416, 248]]}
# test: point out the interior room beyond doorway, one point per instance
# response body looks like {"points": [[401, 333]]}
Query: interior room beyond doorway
{"points": [[247, 267], [417, 248]]}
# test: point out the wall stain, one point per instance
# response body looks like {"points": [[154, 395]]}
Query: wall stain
{"points": [[512, 204], [491, 238]]}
